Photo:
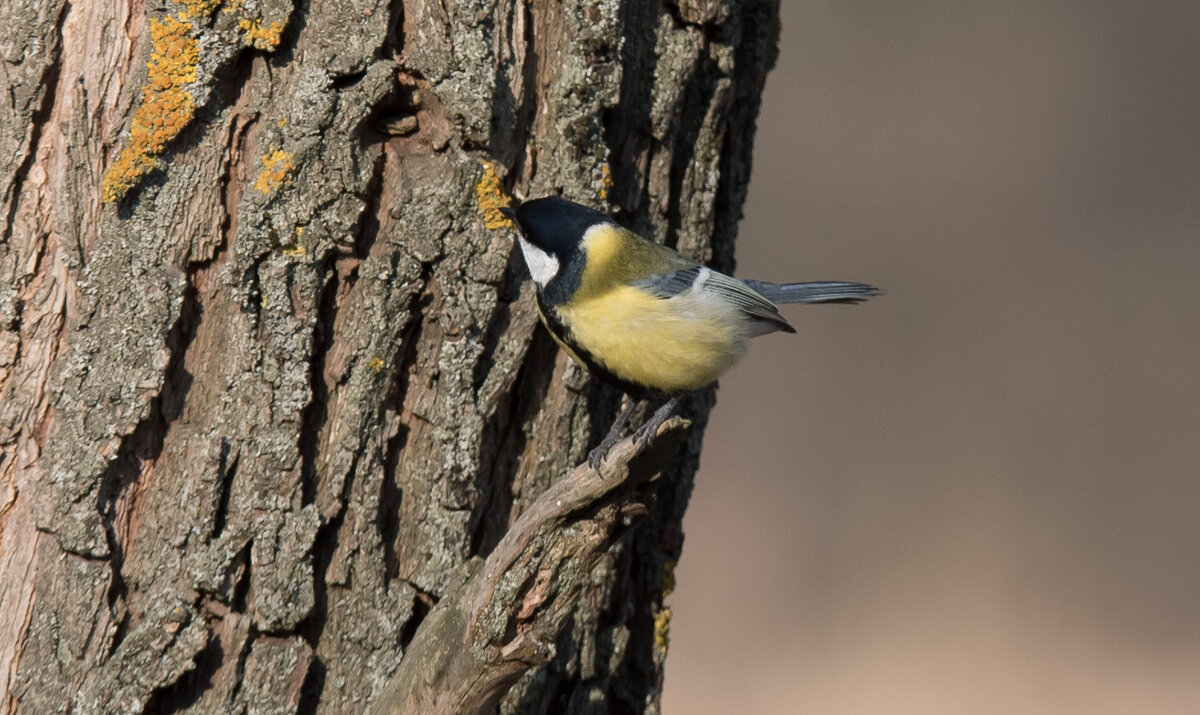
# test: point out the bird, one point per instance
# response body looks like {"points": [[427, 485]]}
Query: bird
{"points": [[641, 316]]}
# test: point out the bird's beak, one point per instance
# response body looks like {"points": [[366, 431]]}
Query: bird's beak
{"points": [[509, 212]]}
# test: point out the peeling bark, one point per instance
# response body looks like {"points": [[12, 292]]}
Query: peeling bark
{"points": [[259, 416]]}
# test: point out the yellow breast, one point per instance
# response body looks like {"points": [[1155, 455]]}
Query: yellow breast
{"points": [[669, 344]]}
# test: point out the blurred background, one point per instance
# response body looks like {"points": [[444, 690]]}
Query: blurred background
{"points": [[981, 492]]}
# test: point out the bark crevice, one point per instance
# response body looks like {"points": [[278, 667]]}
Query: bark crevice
{"points": [[38, 120]]}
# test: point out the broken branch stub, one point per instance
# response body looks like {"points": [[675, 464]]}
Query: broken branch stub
{"points": [[503, 616]]}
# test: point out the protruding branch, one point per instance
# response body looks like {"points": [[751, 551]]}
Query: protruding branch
{"points": [[503, 617]]}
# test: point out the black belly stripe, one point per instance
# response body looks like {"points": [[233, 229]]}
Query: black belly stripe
{"points": [[562, 333]]}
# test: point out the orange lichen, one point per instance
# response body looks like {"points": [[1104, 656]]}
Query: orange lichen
{"points": [[200, 8], [492, 198], [606, 181], [166, 106], [260, 37], [376, 364], [276, 168]]}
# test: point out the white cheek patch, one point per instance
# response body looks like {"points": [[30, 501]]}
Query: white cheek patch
{"points": [[542, 266]]}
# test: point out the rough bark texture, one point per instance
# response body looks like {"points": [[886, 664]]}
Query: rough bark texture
{"points": [[263, 414]]}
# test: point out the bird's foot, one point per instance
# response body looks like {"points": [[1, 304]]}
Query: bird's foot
{"points": [[643, 436], [597, 455], [647, 432]]}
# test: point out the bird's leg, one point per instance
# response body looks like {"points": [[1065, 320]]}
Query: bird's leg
{"points": [[597, 455], [646, 433]]}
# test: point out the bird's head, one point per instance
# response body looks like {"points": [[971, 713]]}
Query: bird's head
{"points": [[550, 231]]}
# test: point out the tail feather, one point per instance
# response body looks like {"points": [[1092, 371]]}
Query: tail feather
{"points": [[814, 292]]}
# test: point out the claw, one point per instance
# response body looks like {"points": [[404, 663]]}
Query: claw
{"points": [[647, 432], [597, 455], [643, 436]]}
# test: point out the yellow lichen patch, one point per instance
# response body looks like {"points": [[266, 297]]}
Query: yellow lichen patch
{"points": [[261, 37], [662, 629], [124, 173], [166, 106], [200, 8], [492, 198], [276, 167], [234, 5], [606, 181], [376, 364], [174, 54], [295, 251]]}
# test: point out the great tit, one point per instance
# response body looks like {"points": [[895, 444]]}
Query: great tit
{"points": [[641, 316]]}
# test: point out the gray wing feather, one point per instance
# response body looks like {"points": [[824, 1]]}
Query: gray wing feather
{"points": [[732, 289], [814, 292]]}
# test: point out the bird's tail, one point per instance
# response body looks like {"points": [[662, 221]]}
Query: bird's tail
{"points": [[816, 292]]}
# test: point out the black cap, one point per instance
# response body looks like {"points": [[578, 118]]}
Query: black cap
{"points": [[555, 224]]}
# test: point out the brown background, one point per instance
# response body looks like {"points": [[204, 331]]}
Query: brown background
{"points": [[980, 493]]}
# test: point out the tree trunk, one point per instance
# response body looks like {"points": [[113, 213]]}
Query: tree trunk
{"points": [[273, 396]]}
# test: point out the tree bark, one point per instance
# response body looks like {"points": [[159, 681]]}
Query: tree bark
{"points": [[275, 411]]}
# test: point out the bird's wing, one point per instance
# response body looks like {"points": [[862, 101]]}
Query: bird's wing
{"points": [[698, 278]]}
